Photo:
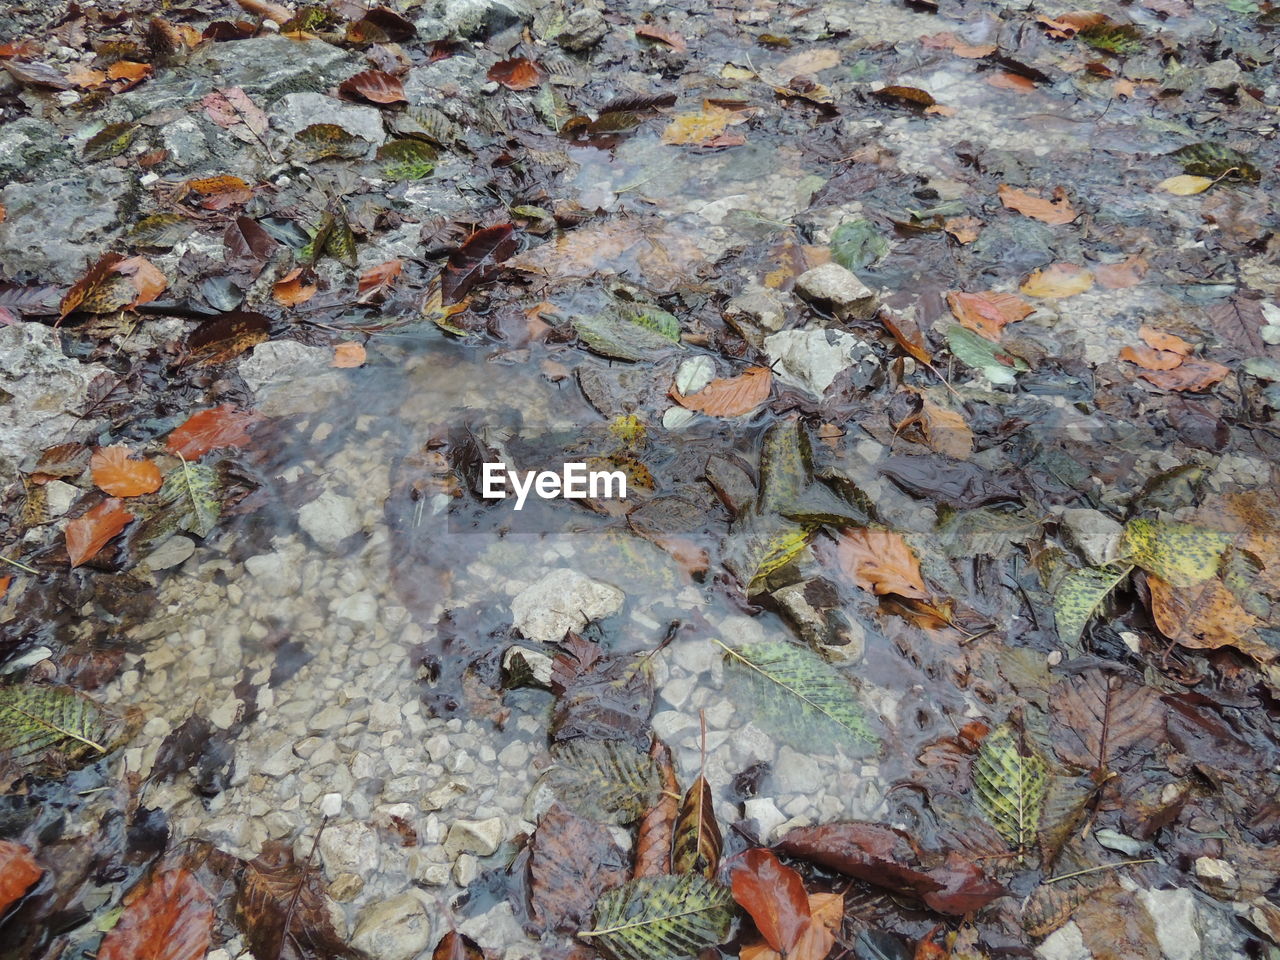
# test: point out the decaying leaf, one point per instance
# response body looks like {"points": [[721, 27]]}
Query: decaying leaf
{"points": [[519, 73], [348, 355], [980, 353], [373, 86], [648, 250], [1009, 783], [476, 261], [661, 918], [18, 873], [1079, 595], [1183, 554], [1101, 717], [574, 861], [730, 397], [190, 495], [171, 919], [604, 779], [657, 827], [880, 561], [1186, 185], [227, 336], [1206, 616], [697, 843], [704, 127], [774, 896], [115, 473], [374, 282], [39, 722], [88, 533], [1055, 211], [988, 313], [222, 426], [293, 288], [1057, 280]]}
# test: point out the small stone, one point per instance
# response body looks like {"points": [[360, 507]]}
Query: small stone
{"points": [[1094, 533], [442, 796], [798, 772], [329, 519], [757, 313], [766, 815], [395, 929], [331, 804], [1065, 943], [1219, 876], [812, 359], [465, 870], [835, 288], [172, 552], [561, 601], [1174, 912], [276, 574], [58, 498], [437, 747], [481, 837], [583, 29]]}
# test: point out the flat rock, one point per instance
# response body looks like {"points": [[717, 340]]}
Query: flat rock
{"points": [[481, 837], [349, 847], [56, 228], [269, 66], [395, 929], [295, 111], [1065, 943], [832, 287], [756, 313], [583, 29], [561, 601], [329, 519], [173, 552], [812, 359], [1174, 915]]}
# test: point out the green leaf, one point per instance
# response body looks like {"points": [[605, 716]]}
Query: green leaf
{"points": [[407, 159], [1009, 786], [661, 918], [341, 242], [35, 719], [111, 141], [160, 230], [1214, 160], [980, 353], [190, 492], [1113, 37], [857, 244], [605, 779], [613, 336], [1181, 554], [428, 122], [759, 544], [652, 318], [322, 140], [1078, 596], [799, 694]]}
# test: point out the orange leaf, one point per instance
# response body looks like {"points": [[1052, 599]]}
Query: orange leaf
{"points": [[18, 871], [348, 355], [1151, 359], [1159, 340], [1118, 276], [128, 73], [1055, 211], [293, 289], [945, 431], [375, 281], [376, 86], [1190, 375], [220, 426], [86, 78], [519, 73], [171, 919], [730, 397], [988, 313], [145, 277], [1057, 280], [773, 894], [89, 533], [91, 281], [4, 588], [116, 474], [964, 229], [1204, 617], [1068, 25], [905, 330], [668, 36], [880, 561], [1004, 80], [217, 193]]}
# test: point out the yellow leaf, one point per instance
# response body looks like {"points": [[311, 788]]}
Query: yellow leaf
{"points": [[697, 128], [1186, 185], [1057, 280]]}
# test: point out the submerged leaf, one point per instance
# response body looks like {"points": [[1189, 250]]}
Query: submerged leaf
{"points": [[222, 426], [190, 493], [91, 531], [118, 475], [36, 719], [1182, 554], [774, 896], [476, 261], [661, 918], [172, 919], [729, 397], [1009, 786], [698, 843], [407, 159], [574, 861], [856, 244], [18, 872], [612, 335], [1216, 161], [604, 779], [983, 355], [1079, 595]]}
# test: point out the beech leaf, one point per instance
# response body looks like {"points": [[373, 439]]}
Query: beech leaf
{"points": [[729, 397], [88, 533], [115, 473], [171, 919], [222, 426]]}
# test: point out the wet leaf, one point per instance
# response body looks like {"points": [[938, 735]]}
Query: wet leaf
{"points": [[147, 280], [232, 109], [1167, 342], [36, 73], [661, 918], [1217, 162], [1079, 596], [118, 475], [248, 245], [111, 141], [1183, 554], [18, 873], [880, 561], [704, 127], [88, 533], [457, 946], [856, 244], [945, 431], [1009, 786], [348, 355], [172, 919], [1150, 359], [965, 888], [598, 696], [697, 844], [407, 159], [218, 193], [160, 230], [1056, 281], [37, 720], [983, 355], [988, 313], [604, 779], [1101, 716], [774, 896], [381, 25], [519, 73], [128, 74], [1206, 616], [1186, 185], [293, 288], [227, 336], [731, 397], [282, 909], [222, 426], [799, 694], [647, 250], [574, 861], [476, 261], [94, 292], [672, 38], [1191, 375], [657, 827], [912, 97], [870, 852], [373, 86], [1113, 37], [1056, 211], [613, 335], [190, 494], [374, 282], [907, 333], [322, 141]]}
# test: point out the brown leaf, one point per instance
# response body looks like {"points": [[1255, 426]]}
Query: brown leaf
{"points": [[827, 913], [293, 288], [574, 860], [375, 86], [964, 229], [1055, 211], [1057, 280], [648, 250], [348, 355], [282, 909], [965, 888], [1119, 276], [657, 827], [907, 333], [377, 280], [730, 397], [36, 73], [1159, 340], [227, 336], [1101, 716], [703, 127], [1205, 616], [90, 283], [90, 532], [457, 946], [697, 844], [127, 74], [86, 78], [773, 894], [880, 561], [672, 38], [1116, 926], [1190, 375], [476, 261], [1067, 25], [1150, 359], [145, 277], [1004, 80], [519, 73], [989, 312], [18, 872], [248, 245], [116, 474], [218, 193], [171, 919], [945, 431], [265, 8], [912, 97], [222, 426]]}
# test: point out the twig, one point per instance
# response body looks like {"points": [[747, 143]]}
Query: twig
{"points": [[20, 566], [1105, 866]]}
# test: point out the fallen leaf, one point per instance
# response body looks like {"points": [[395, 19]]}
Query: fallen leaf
{"points": [[988, 313], [965, 888], [697, 843], [87, 78], [964, 229], [115, 473], [773, 895], [95, 292], [128, 74], [1120, 276], [1057, 280], [145, 277], [811, 61], [907, 333], [1159, 340], [283, 911], [4, 588], [1186, 185], [1190, 375], [171, 919], [1056, 211], [227, 336], [347, 355], [573, 861], [375, 86], [1004, 80], [18, 870], [672, 38], [648, 250], [232, 109], [729, 397], [519, 73], [1067, 25], [945, 431], [880, 561], [1204, 616], [222, 426], [377, 280], [870, 852], [36, 73], [294, 288], [476, 261], [1150, 359], [265, 8], [699, 129], [827, 913], [218, 193], [657, 827], [457, 946], [90, 532]]}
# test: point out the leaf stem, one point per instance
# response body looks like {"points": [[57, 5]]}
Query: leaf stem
{"points": [[20, 566], [1105, 866]]}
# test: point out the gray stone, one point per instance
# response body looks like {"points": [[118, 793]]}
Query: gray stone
{"points": [[329, 519], [813, 606], [59, 496], [1095, 534], [267, 67], [583, 29], [797, 772], [837, 289], [295, 111], [75, 216], [185, 142], [280, 360], [28, 145], [359, 609], [395, 929], [331, 804], [1065, 943], [563, 600], [766, 815], [476, 19], [441, 796], [275, 574], [757, 313], [481, 837], [1174, 915], [41, 391], [812, 359], [173, 552], [349, 847]]}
